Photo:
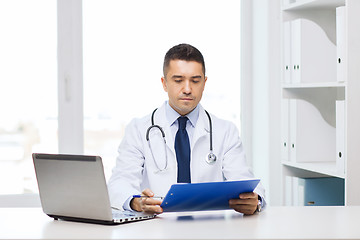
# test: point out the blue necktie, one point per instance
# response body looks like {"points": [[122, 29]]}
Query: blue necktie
{"points": [[182, 149]]}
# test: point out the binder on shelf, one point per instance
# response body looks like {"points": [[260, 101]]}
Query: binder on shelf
{"points": [[292, 130], [328, 191], [286, 52], [295, 55], [285, 130], [340, 44], [324, 191], [288, 190], [312, 53], [298, 191], [312, 139], [340, 137]]}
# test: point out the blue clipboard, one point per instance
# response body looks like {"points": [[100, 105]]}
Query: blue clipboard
{"points": [[205, 196]]}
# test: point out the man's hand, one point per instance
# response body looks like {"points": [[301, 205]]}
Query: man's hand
{"points": [[246, 203], [146, 204]]}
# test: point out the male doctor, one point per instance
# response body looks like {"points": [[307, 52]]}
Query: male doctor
{"points": [[148, 165]]}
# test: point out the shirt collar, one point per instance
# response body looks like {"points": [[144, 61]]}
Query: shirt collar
{"points": [[172, 115]]}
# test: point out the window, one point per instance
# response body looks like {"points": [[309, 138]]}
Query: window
{"points": [[124, 46], [124, 43], [28, 90]]}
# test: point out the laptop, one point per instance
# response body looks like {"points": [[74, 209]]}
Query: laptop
{"points": [[73, 187]]}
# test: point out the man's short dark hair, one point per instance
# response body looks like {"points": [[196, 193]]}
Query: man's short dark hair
{"points": [[184, 52]]}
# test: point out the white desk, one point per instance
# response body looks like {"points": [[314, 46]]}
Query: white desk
{"points": [[273, 223]]}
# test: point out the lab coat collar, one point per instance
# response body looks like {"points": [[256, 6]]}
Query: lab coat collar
{"points": [[201, 128], [172, 115]]}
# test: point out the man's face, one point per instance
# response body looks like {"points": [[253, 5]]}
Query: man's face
{"points": [[184, 83]]}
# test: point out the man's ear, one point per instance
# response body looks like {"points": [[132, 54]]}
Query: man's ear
{"points": [[205, 82], [163, 81]]}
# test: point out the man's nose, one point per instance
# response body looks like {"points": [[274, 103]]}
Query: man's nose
{"points": [[187, 87]]}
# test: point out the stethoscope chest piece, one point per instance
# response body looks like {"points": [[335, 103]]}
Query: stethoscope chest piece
{"points": [[211, 158]]}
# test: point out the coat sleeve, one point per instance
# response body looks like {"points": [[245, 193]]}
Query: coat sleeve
{"points": [[235, 166], [127, 173]]}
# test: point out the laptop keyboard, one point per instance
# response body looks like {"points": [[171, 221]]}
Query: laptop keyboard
{"points": [[128, 216], [123, 214]]}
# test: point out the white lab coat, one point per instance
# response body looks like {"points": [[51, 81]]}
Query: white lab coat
{"points": [[136, 170]]}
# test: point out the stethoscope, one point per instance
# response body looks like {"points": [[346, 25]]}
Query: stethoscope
{"points": [[210, 158]]}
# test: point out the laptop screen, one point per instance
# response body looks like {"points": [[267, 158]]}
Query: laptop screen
{"points": [[73, 186]]}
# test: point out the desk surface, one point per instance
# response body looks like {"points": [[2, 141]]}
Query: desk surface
{"points": [[273, 223]]}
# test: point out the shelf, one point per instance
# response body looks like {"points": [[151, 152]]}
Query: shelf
{"points": [[322, 12], [313, 85], [313, 4], [316, 168], [323, 96]]}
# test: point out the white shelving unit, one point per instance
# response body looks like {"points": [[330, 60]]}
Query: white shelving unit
{"points": [[320, 93]]}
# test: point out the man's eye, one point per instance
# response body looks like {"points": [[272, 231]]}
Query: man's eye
{"points": [[178, 80], [195, 81]]}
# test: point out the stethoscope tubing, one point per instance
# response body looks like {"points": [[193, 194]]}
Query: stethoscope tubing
{"points": [[163, 133], [210, 125], [211, 158]]}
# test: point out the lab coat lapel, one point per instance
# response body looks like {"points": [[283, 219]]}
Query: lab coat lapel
{"points": [[161, 120], [201, 128]]}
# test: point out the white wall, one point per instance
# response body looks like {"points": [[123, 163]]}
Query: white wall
{"points": [[261, 92], [20, 200], [70, 77], [274, 94]]}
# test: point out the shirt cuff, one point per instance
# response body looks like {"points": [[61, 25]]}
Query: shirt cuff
{"points": [[262, 200], [126, 205]]}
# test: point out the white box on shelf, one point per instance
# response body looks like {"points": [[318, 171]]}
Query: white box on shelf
{"points": [[340, 44], [313, 55], [340, 137], [312, 139]]}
